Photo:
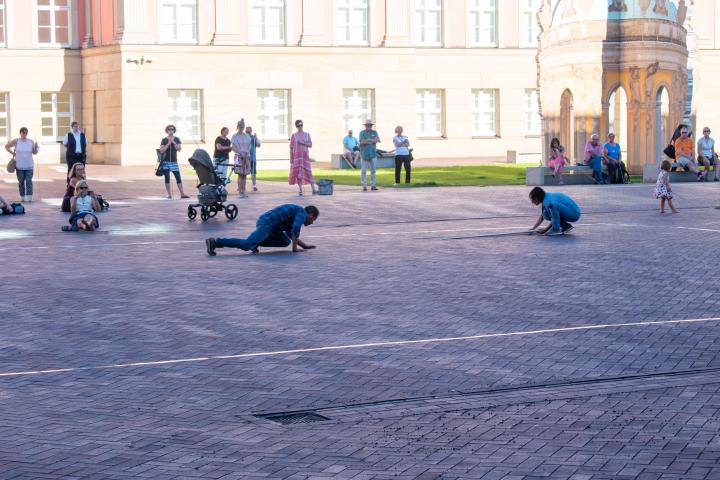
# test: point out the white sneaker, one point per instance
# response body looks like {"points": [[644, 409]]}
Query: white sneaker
{"points": [[28, 198]]}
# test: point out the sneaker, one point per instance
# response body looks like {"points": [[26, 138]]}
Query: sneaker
{"points": [[169, 197], [700, 177], [28, 198], [66, 228], [300, 194], [396, 185], [364, 189], [243, 195], [254, 189], [255, 250], [373, 188], [554, 233], [184, 196], [211, 245], [716, 179], [568, 229]]}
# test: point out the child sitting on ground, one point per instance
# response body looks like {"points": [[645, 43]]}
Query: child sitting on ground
{"points": [[82, 209], [662, 187], [557, 159]]}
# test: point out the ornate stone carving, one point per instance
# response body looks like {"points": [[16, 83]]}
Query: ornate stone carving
{"points": [[617, 6], [681, 12], [569, 11], [660, 7], [635, 87], [545, 15], [649, 72], [644, 4]]}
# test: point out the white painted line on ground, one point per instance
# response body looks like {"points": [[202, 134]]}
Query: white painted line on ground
{"points": [[396, 343]]}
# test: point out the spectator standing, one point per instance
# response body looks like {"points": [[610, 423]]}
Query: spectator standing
{"points": [[169, 148], [300, 169], [75, 144], [255, 143], [369, 139], [706, 152], [593, 158], [662, 187], [241, 146], [351, 149], [402, 155], [22, 150], [685, 153], [221, 156], [612, 156]]}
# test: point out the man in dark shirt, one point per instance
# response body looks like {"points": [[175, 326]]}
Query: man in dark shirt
{"points": [[278, 227]]}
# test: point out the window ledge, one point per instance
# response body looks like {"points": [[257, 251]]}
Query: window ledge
{"points": [[275, 140], [486, 137], [533, 135], [432, 138]]}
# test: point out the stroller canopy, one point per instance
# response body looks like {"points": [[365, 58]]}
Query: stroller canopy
{"points": [[203, 165]]}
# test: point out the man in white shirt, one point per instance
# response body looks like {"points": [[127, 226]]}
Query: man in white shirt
{"points": [[76, 146]]}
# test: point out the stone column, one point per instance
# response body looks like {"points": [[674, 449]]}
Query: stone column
{"points": [[88, 40]]}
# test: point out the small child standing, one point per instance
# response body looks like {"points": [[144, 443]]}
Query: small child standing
{"points": [[557, 159], [662, 188]]}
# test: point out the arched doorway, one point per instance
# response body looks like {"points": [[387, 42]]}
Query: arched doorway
{"points": [[567, 124], [618, 118], [663, 131]]}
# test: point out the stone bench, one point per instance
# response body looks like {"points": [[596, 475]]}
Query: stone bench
{"points": [[572, 175], [385, 160], [651, 171]]}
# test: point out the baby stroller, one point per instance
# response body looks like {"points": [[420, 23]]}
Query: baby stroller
{"points": [[211, 189]]}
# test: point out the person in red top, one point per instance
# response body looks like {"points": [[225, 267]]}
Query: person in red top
{"points": [[685, 153]]}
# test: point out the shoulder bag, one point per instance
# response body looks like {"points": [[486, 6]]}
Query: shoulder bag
{"points": [[11, 166]]}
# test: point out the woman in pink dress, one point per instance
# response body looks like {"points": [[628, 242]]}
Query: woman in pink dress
{"points": [[300, 170]]}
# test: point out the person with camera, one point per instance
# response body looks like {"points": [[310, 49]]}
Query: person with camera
{"points": [[169, 148]]}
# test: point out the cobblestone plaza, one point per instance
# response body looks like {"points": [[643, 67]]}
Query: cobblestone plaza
{"points": [[423, 347]]}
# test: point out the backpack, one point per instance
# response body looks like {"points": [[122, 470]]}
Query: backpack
{"points": [[18, 208]]}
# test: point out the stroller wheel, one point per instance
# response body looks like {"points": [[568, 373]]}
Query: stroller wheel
{"points": [[212, 211], [231, 211], [192, 213], [204, 214]]}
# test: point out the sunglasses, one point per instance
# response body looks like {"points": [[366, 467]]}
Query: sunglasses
{"points": [[82, 188]]}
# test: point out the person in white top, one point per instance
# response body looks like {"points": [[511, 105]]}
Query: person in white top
{"points": [[240, 142], [75, 144], [22, 150], [402, 155], [82, 209], [706, 151]]}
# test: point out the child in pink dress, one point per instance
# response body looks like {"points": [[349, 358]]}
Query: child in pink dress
{"points": [[557, 159]]}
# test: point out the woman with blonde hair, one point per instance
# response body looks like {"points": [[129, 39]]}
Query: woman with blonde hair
{"points": [[82, 209]]}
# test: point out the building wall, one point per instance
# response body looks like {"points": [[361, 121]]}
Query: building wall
{"points": [[121, 99]]}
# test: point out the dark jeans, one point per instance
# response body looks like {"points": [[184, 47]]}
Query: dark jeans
{"points": [[73, 158], [25, 181], [617, 172], [166, 174], [401, 160], [263, 236]]}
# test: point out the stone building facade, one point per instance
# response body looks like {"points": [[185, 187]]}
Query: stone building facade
{"points": [[461, 76]]}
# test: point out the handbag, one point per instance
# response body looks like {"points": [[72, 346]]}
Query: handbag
{"points": [[410, 155], [11, 166], [158, 168], [670, 151]]}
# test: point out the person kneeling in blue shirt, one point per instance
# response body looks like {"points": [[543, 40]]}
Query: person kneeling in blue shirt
{"points": [[278, 227], [556, 207]]}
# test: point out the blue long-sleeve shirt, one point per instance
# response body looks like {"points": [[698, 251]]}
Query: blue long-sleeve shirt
{"points": [[286, 218]]}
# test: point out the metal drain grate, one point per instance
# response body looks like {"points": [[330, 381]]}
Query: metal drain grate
{"points": [[293, 418]]}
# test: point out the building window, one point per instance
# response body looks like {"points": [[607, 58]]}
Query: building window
{"points": [[358, 106], [428, 22], [2, 23], [482, 19], [532, 112], [178, 21], [4, 115], [430, 105], [273, 107], [56, 114], [351, 20], [529, 28], [484, 113], [53, 23], [268, 21], [185, 112]]}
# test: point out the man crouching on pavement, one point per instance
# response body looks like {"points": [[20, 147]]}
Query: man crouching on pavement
{"points": [[278, 227]]}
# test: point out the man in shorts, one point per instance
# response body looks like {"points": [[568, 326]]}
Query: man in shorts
{"points": [[685, 154]]}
